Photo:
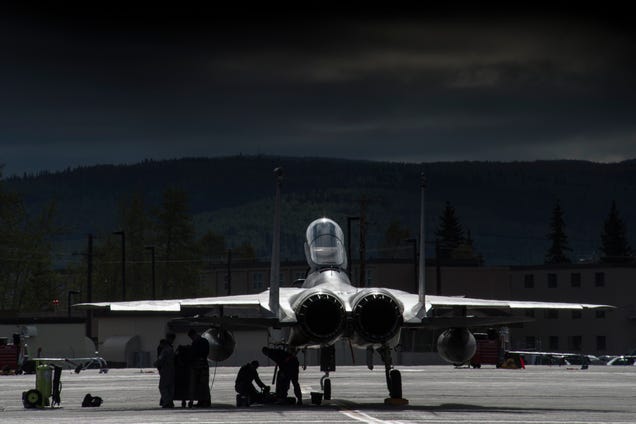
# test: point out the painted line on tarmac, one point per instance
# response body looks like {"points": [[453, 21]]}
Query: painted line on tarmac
{"points": [[155, 421], [365, 418]]}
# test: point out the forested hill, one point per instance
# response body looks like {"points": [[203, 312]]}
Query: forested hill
{"points": [[506, 206]]}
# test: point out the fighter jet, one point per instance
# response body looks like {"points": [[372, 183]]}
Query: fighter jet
{"points": [[327, 307]]}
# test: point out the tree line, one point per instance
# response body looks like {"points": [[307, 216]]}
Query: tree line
{"points": [[27, 279], [454, 242], [614, 244], [30, 275], [30, 281]]}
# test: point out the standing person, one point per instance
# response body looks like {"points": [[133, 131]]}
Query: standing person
{"points": [[165, 365], [243, 384], [160, 347], [288, 370], [199, 371]]}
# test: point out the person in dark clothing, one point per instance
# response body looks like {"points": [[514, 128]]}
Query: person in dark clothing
{"points": [[199, 371], [165, 365], [162, 343], [243, 384], [288, 370]]}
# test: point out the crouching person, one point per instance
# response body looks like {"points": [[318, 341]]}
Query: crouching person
{"points": [[244, 386]]}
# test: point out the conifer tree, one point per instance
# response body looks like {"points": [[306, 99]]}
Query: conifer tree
{"points": [[394, 237], [614, 244], [27, 281], [136, 223], [557, 253], [450, 232], [176, 242]]}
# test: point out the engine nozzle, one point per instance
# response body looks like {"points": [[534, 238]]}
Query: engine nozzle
{"points": [[321, 317], [377, 316]]}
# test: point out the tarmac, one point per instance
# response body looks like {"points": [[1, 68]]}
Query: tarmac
{"points": [[436, 394]]}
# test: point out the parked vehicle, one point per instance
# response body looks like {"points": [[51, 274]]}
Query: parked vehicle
{"points": [[623, 360]]}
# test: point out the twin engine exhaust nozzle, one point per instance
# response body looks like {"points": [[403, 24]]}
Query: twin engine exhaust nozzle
{"points": [[375, 318]]}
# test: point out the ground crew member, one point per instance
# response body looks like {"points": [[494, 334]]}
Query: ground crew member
{"points": [[165, 365], [243, 384], [288, 370], [199, 371]]}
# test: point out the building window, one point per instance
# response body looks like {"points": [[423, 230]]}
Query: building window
{"points": [[576, 314], [599, 279], [531, 342], [600, 314], [575, 343], [601, 343], [257, 280], [551, 314], [575, 279], [554, 343], [528, 281], [552, 281]]}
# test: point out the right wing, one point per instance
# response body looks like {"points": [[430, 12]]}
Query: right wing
{"points": [[244, 307]]}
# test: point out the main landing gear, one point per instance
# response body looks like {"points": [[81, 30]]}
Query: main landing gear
{"points": [[393, 376]]}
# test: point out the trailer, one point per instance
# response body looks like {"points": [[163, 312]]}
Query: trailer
{"points": [[490, 349], [11, 355]]}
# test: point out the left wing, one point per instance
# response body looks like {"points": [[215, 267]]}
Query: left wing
{"points": [[457, 311]]}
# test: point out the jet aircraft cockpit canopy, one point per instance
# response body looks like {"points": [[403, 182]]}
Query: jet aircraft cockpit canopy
{"points": [[324, 245]]}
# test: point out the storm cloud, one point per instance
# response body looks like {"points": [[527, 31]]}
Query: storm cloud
{"points": [[92, 89]]}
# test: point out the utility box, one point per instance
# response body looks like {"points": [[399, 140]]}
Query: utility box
{"points": [[489, 349], [9, 355]]}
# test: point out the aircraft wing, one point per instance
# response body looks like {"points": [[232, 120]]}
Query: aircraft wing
{"points": [[442, 311], [254, 309], [473, 303], [248, 306], [78, 364]]}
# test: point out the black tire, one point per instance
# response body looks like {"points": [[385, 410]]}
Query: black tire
{"points": [[396, 384], [32, 398], [327, 389]]}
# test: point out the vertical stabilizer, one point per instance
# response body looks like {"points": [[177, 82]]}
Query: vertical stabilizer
{"points": [[422, 263], [274, 276]]}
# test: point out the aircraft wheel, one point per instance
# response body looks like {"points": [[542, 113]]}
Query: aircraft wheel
{"points": [[396, 384], [32, 398], [327, 389]]}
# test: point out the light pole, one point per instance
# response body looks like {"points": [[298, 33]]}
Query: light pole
{"points": [[123, 263], [89, 286], [229, 272], [414, 243], [70, 293], [152, 253], [349, 263]]}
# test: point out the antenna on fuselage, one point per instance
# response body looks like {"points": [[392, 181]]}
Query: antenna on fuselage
{"points": [[422, 263], [274, 276]]}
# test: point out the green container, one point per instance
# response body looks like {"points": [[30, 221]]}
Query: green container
{"points": [[44, 382]]}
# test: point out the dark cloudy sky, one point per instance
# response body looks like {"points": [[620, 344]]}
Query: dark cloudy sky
{"points": [[118, 87]]}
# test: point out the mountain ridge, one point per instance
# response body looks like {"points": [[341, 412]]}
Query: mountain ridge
{"points": [[506, 205]]}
